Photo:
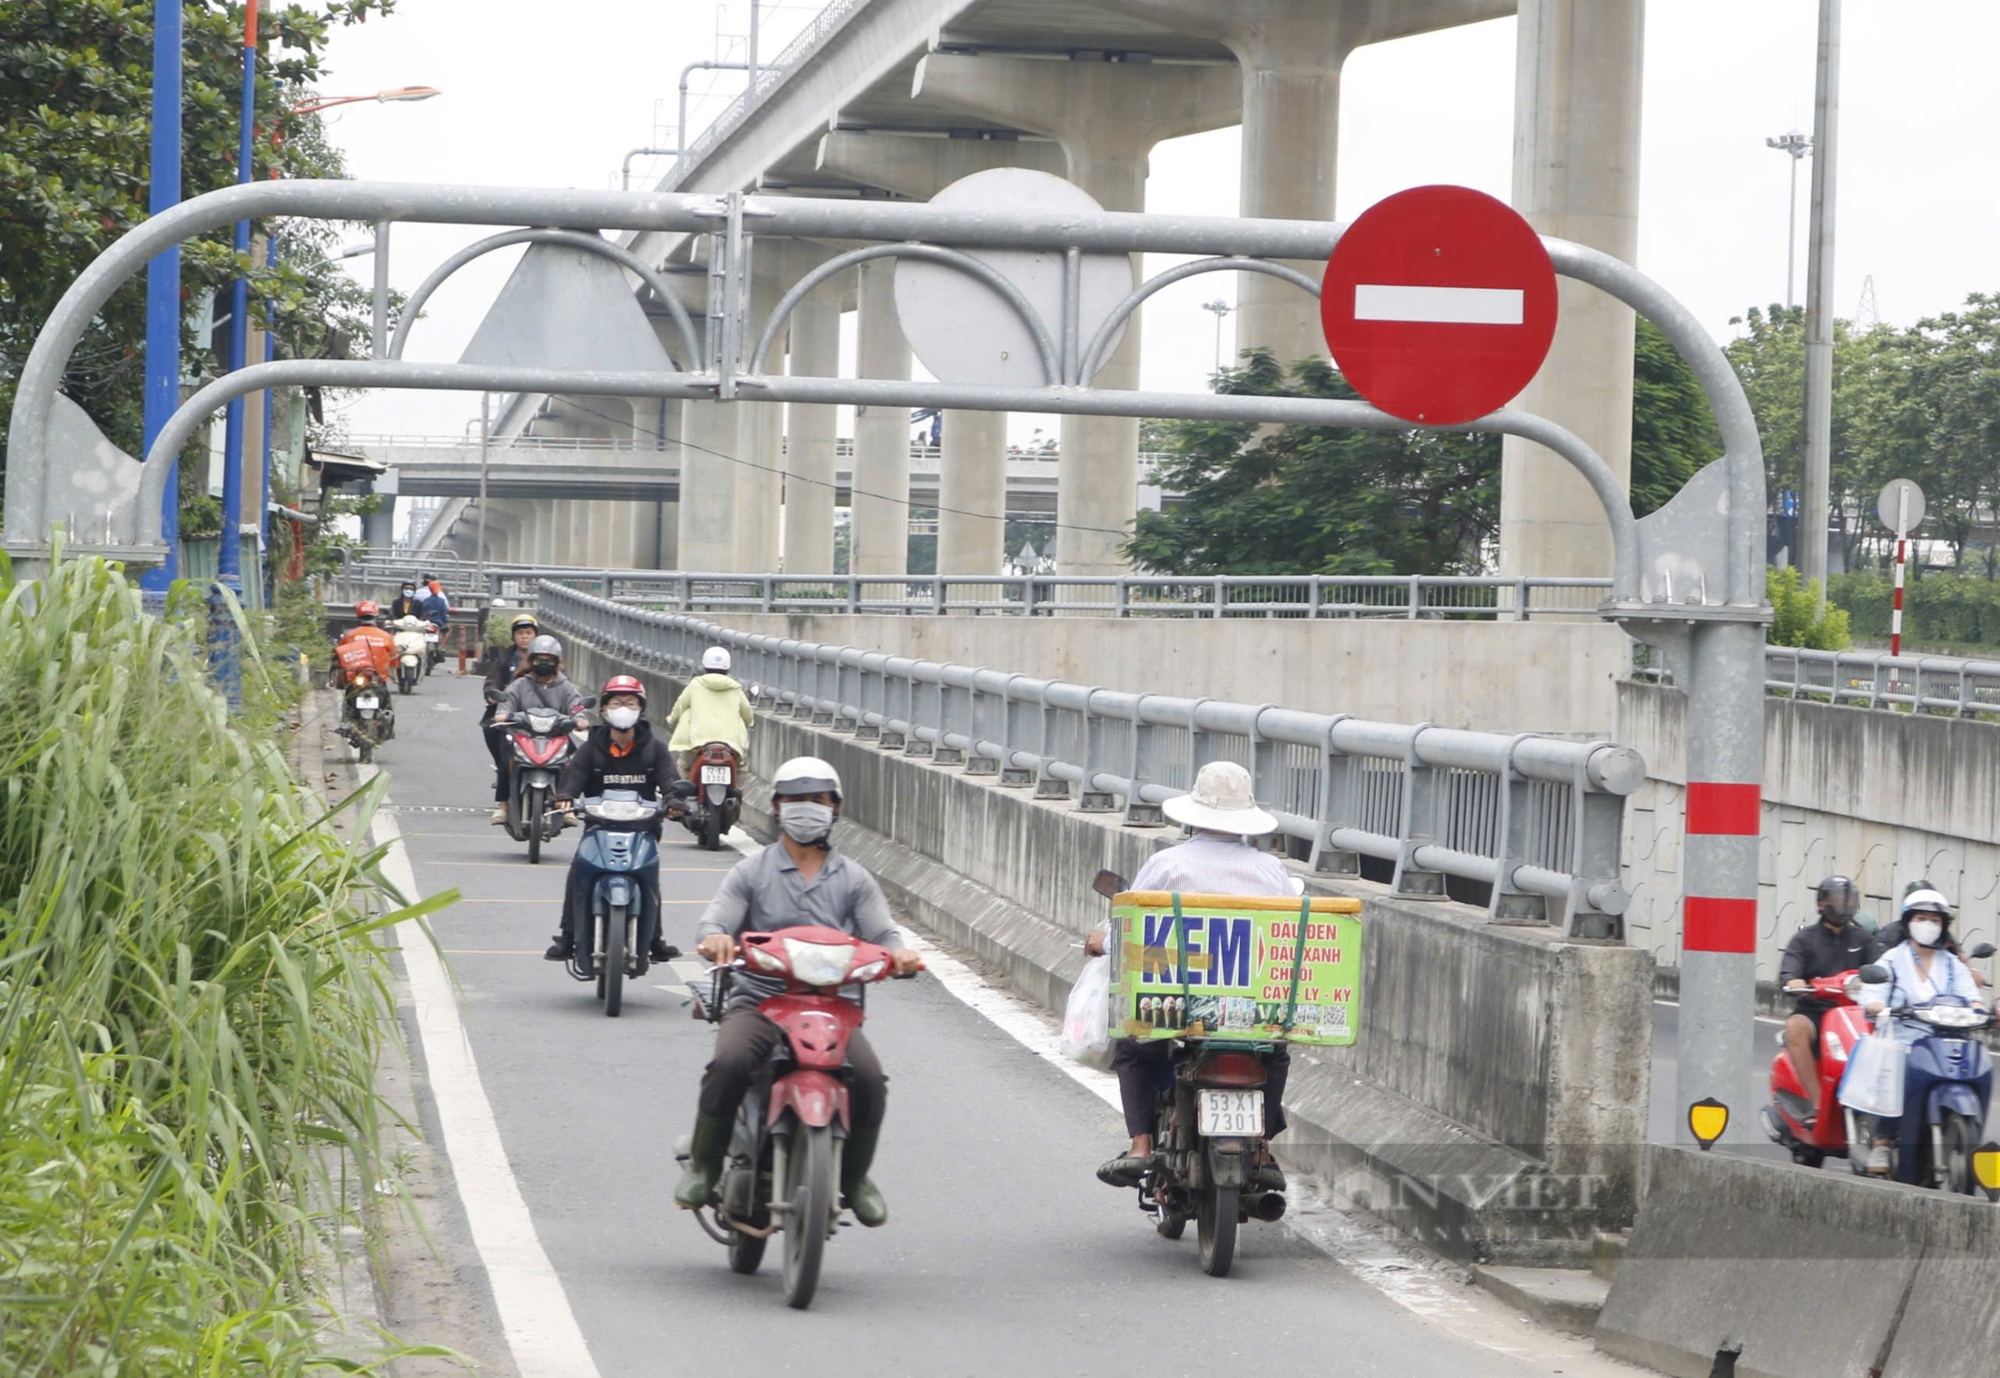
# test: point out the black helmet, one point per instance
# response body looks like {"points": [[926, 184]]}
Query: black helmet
{"points": [[1838, 899]]}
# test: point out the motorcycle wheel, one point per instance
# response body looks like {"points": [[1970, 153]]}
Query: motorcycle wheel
{"points": [[534, 821], [809, 1192], [365, 749], [614, 960], [746, 1252], [711, 830], [1961, 1138], [1215, 1227]]}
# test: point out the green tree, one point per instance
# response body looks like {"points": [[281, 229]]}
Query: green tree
{"points": [[1673, 430], [75, 149]]}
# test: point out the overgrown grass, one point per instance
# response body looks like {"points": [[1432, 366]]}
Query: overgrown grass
{"points": [[191, 1002]]}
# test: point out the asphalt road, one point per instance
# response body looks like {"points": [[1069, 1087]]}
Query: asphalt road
{"points": [[1003, 1255]]}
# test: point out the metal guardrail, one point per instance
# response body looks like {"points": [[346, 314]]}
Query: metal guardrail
{"points": [[1937, 685], [1538, 819]]}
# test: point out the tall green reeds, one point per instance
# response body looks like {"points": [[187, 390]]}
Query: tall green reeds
{"points": [[191, 1003]]}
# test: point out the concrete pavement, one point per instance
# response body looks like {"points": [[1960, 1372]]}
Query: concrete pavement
{"points": [[1003, 1254]]}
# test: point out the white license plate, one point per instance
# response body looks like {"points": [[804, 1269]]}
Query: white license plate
{"points": [[1232, 1114], [715, 775], [367, 701], [431, 638]]}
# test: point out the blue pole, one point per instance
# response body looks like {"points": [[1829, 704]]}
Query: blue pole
{"points": [[163, 277], [229, 560], [270, 351]]}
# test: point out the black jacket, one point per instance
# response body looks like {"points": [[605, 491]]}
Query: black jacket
{"points": [[1817, 951], [503, 666], [404, 607], [647, 768]]}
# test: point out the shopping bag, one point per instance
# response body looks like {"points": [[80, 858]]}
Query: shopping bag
{"points": [[1086, 1031], [1873, 1081]]}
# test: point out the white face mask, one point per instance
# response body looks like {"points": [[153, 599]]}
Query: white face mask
{"points": [[805, 822], [1926, 932], [621, 718]]}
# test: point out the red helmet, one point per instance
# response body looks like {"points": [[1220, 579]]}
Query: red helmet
{"points": [[365, 608], [623, 684]]}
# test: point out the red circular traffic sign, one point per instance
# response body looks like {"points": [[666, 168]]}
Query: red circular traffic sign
{"points": [[1439, 304]]}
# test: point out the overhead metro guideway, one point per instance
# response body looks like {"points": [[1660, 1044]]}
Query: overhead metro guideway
{"points": [[1003, 1253]]}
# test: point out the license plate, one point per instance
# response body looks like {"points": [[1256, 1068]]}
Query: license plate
{"points": [[715, 775], [1232, 1114], [367, 701], [431, 637]]}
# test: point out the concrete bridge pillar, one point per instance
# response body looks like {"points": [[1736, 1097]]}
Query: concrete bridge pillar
{"points": [[1576, 176], [810, 436], [972, 493], [1107, 116], [879, 533], [707, 516], [760, 448]]}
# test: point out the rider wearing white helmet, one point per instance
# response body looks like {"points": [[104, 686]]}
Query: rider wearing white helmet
{"points": [[798, 880], [713, 708]]}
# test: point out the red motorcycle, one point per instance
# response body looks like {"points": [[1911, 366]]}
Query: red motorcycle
{"points": [[783, 1165], [1841, 1030], [542, 744], [713, 794]]}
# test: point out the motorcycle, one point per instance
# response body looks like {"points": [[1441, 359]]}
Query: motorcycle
{"points": [[410, 633], [366, 720], [783, 1165], [543, 741], [433, 647], [1208, 1140], [617, 848], [1947, 1084], [1785, 1117], [713, 794]]}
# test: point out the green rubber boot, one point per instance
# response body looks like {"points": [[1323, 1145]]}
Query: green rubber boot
{"points": [[704, 1164], [862, 1197]]}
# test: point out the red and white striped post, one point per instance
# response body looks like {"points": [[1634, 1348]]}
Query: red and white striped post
{"points": [[1901, 508], [1896, 611]]}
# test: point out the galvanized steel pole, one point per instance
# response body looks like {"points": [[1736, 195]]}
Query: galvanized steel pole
{"points": [[1814, 483]]}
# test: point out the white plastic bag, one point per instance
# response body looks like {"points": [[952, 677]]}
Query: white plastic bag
{"points": [[1086, 1031], [1873, 1081]]}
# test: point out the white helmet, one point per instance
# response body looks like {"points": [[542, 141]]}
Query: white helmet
{"points": [[716, 659], [806, 775]]}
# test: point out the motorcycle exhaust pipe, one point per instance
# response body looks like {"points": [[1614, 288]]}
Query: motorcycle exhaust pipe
{"points": [[1269, 1207]]}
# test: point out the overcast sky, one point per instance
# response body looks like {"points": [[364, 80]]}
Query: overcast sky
{"points": [[533, 95]]}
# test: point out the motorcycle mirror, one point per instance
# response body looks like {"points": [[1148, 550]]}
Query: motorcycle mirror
{"points": [[1983, 950], [1108, 883], [590, 702], [1874, 974]]}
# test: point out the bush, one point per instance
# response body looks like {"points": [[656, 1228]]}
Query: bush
{"points": [[1938, 610], [1798, 620], [191, 1001]]}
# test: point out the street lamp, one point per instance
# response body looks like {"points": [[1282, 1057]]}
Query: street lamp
{"points": [[1798, 145], [1220, 308], [393, 93]]}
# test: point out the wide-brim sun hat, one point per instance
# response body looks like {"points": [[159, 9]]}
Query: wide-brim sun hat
{"points": [[1223, 800]]}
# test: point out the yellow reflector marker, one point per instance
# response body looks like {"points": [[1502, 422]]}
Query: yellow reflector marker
{"points": [[1706, 1121], [1986, 1167]]}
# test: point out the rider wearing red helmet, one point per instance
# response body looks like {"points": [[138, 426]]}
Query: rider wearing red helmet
{"points": [[367, 646], [621, 753]]}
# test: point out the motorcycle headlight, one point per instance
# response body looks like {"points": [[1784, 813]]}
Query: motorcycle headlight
{"points": [[869, 972], [816, 964], [1953, 1017], [541, 723], [621, 811], [762, 957]]}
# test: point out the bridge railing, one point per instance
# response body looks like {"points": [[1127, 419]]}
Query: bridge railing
{"points": [[1537, 819], [1938, 685]]}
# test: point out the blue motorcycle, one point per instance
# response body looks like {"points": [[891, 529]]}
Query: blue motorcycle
{"points": [[620, 856], [1947, 1084]]}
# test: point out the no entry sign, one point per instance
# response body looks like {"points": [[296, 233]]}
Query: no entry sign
{"points": [[1439, 304]]}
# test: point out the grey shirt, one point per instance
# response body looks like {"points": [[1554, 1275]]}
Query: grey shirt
{"points": [[767, 891], [557, 696]]}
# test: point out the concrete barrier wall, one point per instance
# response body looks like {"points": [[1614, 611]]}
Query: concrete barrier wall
{"points": [[1495, 1104], [1803, 1273], [1884, 797], [1485, 676]]}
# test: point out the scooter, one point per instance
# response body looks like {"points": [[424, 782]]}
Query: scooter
{"points": [[617, 850], [366, 721], [1208, 1138], [1785, 1117], [543, 741], [433, 647], [409, 632], [713, 794], [1947, 1085], [782, 1171]]}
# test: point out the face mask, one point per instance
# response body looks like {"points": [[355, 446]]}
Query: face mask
{"points": [[1833, 918], [408, 592], [1926, 932], [621, 718], [805, 822], [543, 669]]}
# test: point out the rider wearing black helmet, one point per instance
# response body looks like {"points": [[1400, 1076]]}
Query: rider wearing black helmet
{"points": [[1832, 945]]}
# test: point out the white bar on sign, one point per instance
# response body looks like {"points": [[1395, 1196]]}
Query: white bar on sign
{"points": [[1377, 301]]}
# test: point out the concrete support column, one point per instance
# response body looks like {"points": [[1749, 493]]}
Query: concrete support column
{"points": [[1576, 175], [760, 448], [378, 528], [1107, 116], [810, 435], [972, 493], [580, 552], [880, 534], [707, 517]]}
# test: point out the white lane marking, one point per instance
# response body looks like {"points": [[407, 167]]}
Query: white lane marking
{"points": [[534, 1310], [1381, 301]]}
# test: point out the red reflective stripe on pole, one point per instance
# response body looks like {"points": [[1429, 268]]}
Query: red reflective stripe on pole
{"points": [[1715, 925], [1896, 616], [250, 23], [1731, 810]]}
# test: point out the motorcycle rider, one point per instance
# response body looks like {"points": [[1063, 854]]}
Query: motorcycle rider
{"points": [[503, 667], [713, 708], [544, 687], [1921, 968], [1833, 944], [1217, 860], [621, 753], [406, 604], [1892, 934], [372, 637], [798, 880]]}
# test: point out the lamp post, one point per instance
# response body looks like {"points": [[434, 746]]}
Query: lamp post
{"points": [[1817, 421], [1798, 145], [1220, 308]]}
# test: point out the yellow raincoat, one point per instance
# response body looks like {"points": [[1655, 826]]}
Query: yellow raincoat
{"points": [[713, 708]]}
